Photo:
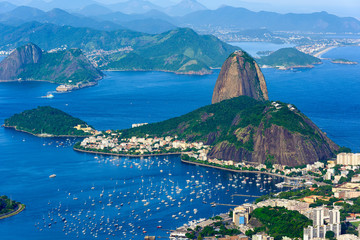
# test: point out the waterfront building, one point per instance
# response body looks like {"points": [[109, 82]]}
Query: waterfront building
{"points": [[241, 215], [348, 159], [177, 235]]}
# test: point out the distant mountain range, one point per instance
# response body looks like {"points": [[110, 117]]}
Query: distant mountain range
{"points": [[185, 7], [241, 18], [108, 21], [23, 14], [128, 7], [141, 15]]}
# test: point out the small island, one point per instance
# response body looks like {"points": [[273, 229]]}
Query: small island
{"points": [[343, 61], [288, 58], [49, 122], [9, 207], [70, 68]]}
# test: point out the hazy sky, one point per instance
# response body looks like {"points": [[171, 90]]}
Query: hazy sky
{"points": [[338, 7]]}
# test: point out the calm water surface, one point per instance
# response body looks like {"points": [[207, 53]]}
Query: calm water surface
{"points": [[120, 198]]}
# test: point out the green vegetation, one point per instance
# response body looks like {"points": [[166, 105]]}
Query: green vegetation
{"points": [[344, 150], [279, 222], [63, 67], [343, 61], [7, 205], [348, 208], [289, 57], [46, 120], [330, 235], [218, 228], [180, 50], [232, 122], [324, 191], [293, 122]]}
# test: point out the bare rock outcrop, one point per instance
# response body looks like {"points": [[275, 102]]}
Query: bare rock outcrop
{"points": [[240, 76], [14, 64]]}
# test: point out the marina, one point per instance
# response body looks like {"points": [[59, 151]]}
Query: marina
{"points": [[129, 206]]}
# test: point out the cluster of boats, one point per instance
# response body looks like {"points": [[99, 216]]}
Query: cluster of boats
{"points": [[153, 196]]}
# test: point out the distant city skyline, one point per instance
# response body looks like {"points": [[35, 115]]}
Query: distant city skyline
{"points": [[344, 8]]}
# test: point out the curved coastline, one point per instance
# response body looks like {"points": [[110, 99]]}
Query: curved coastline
{"points": [[238, 171], [126, 155], [184, 161], [44, 135], [21, 207]]}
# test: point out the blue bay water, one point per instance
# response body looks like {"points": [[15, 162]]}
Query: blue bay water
{"points": [[328, 94]]}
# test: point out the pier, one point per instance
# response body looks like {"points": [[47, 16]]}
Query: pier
{"points": [[225, 204], [243, 195]]}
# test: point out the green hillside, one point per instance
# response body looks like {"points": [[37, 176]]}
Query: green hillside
{"points": [[7, 205], [223, 120], [243, 129], [46, 120], [288, 57], [279, 222], [181, 50], [60, 67]]}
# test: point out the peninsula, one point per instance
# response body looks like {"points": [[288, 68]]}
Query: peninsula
{"points": [[242, 129], [67, 67], [48, 122], [9, 207], [287, 58]]}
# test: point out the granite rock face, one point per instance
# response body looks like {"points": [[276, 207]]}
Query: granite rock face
{"points": [[278, 145], [69, 67], [14, 64], [240, 76]]}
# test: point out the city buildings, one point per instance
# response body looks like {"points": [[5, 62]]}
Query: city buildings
{"points": [[323, 220], [347, 190], [348, 159]]}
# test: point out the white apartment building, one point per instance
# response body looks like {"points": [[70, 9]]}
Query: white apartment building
{"points": [[348, 159]]}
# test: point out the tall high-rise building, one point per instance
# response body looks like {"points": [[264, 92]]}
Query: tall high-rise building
{"points": [[334, 216], [318, 217]]}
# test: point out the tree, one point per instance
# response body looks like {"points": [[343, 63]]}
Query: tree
{"points": [[330, 235], [249, 233]]}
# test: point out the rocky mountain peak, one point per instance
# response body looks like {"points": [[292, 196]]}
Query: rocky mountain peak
{"points": [[240, 76], [13, 65]]}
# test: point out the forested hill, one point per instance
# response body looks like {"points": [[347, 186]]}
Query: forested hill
{"points": [[289, 57], [46, 121], [29, 62], [181, 50], [243, 129]]}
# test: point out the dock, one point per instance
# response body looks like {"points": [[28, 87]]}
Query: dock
{"points": [[225, 204], [243, 195]]}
